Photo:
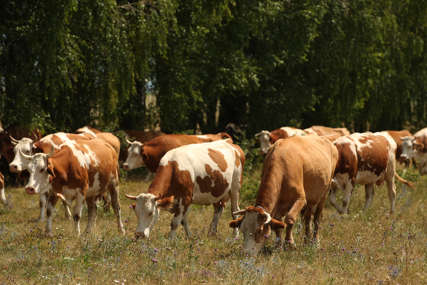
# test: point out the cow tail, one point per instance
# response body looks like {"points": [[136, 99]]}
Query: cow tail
{"points": [[406, 182]]}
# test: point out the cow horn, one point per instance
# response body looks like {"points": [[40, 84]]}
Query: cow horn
{"points": [[60, 196], [13, 140], [25, 155], [239, 212], [128, 141], [130, 197]]}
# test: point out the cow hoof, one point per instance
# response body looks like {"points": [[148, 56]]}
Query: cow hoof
{"points": [[289, 245]]}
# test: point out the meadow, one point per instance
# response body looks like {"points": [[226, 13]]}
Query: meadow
{"points": [[360, 248]]}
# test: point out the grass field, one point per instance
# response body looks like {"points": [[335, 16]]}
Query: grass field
{"points": [[361, 248]]}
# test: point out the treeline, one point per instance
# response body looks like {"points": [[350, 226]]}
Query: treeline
{"points": [[259, 64]]}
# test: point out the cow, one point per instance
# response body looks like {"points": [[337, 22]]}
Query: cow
{"points": [[416, 147], [326, 131], [267, 139], [297, 174], [151, 152], [79, 171], [2, 191], [204, 174], [26, 146], [366, 159]]}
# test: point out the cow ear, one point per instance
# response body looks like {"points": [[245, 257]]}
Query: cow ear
{"points": [[236, 223], [276, 224], [164, 202]]}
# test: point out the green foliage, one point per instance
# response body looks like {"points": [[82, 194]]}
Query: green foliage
{"points": [[263, 64]]}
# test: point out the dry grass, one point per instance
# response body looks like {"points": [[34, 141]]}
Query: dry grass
{"points": [[361, 248]]}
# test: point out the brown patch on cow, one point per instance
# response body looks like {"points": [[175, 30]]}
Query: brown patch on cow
{"points": [[218, 158], [170, 181], [347, 159], [237, 158], [214, 177], [56, 140], [375, 157], [277, 134], [1, 180]]}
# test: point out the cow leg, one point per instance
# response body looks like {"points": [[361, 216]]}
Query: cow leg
{"points": [[77, 212], [291, 217], [391, 187], [347, 196], [218, 208], [316, 220], [106, 198], [176, 220], [369, 195], [234, 197], [3, 196], [278, 231], [91, 212], [307, 224], [114, 193], [333, 199], [184, 223], [51, 202], [42, 203]]}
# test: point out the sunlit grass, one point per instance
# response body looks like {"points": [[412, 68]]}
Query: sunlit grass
{"points": [[360, 248]]}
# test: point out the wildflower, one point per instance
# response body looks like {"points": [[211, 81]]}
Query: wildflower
{"points": [[154, 260]]}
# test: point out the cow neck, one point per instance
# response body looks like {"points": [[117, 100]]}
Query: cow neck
{"points": [[266, 201], [162, 181]]}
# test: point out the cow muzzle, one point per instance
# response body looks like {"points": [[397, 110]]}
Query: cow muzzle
{"points": [[30, 190], [13, 168], [125, 166]]}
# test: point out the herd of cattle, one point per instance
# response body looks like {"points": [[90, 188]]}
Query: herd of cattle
{"points": [[301, 167]]}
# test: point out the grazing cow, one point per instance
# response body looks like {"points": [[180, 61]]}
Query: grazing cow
{"points": [[205, 173], [151, 152], [296, 175], [366, 159], [78, 171], [416, 147], [2, 192], [267, 139]]}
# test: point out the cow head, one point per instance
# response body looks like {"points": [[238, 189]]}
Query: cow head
{"points": [[264, 141], [147, 208], [41, 173], [256, 226], [414, 148], [135, 154], [19, 162]]}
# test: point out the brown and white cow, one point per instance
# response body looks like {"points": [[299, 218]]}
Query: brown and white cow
{"points": [[2, 191], [297, 174], [79, 171], [151, 152], [267, 139], [366, 159], [416, 147], [204, 174]]}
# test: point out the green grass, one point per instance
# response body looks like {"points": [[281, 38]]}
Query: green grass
{"points": [[360, 248]]}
